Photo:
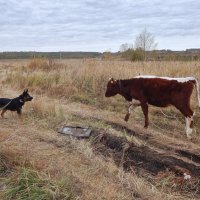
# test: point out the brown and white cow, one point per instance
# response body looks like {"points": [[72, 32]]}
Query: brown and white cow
{"points": [[157, 91]]}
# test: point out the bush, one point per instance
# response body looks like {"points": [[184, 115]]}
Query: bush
{"points": [[137, 55]]}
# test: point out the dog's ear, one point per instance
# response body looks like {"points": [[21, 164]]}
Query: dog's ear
{"points": [[25, 91]]}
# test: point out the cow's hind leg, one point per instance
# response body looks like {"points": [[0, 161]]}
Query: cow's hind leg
{"points": [[145, 111], [188, 113], [189, 126]]}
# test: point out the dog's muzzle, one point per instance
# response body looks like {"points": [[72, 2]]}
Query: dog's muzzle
{"points": [[29, 99]]}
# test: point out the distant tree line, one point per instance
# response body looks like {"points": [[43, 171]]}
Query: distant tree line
{"points": [[159, 55], [127, 54], [54, 55]]}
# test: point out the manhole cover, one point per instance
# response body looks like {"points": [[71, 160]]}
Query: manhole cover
{"points": [[76, 131]]}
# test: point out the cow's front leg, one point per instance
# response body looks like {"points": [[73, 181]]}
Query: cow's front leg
{"points": [[133, 104], [129, 112], [145, 111], [189, 126]]}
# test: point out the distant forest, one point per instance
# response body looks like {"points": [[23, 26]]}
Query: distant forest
{"points": [[54, 55], [130, 54]]}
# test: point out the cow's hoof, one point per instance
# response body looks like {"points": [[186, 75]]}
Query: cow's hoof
{"points": [[126, 117], [189, 137]]}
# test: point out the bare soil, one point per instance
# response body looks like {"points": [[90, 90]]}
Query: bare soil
{"points": [[129, 155]]}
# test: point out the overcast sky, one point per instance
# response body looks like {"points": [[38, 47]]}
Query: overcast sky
{"points": [[90, 25]]}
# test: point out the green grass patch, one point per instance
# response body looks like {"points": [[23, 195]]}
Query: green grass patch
{"points": [[29, 185]]}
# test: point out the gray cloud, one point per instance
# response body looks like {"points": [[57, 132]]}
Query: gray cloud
{"points": [[90, 25]]}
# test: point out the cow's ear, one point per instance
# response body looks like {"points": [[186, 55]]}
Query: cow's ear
{"points": [[114, 81], [111, 80]]}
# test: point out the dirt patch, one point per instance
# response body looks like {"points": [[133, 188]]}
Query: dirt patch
{"points": [[169, 147], [139, 158], [189, 155], [158, 168]]}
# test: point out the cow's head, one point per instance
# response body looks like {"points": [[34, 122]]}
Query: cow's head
{"points": [[112, 88]]}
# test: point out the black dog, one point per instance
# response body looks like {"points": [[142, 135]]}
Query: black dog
{"points": [[14, 104]]}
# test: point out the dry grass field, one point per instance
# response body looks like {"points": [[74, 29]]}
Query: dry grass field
{"points": [[121, 161]]}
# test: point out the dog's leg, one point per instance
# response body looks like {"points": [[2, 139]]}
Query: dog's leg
{"points": [[19, 112], [2, 113]]}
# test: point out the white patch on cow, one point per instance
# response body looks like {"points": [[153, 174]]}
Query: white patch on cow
{"points": [[181, 80], [187, 127], [134, 103], [186, 176], [129, 108]]}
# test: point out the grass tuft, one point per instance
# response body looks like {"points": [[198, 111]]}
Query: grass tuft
{"points": [[47, 114], [29, 185]]}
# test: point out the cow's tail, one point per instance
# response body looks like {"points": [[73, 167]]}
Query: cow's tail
{"points": [[197, 89]]}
